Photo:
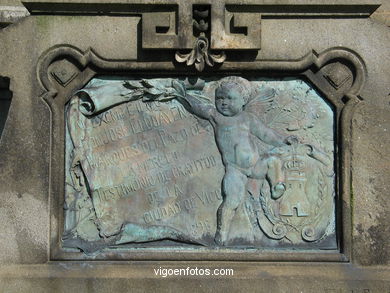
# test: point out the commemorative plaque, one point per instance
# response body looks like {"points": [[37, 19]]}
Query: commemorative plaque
{"points": [[199, 162]]}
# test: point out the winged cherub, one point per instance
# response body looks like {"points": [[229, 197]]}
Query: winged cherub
{"points": [[235, 131]]}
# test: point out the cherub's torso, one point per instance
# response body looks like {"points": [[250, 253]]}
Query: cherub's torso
{"points": [[234, 140]]}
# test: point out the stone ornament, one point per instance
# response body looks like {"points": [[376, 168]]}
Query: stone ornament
{"points": [[200, 55], [211, 28]]}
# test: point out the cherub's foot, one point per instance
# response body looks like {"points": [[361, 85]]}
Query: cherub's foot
{"points": [[278, 190], [218, 239]]}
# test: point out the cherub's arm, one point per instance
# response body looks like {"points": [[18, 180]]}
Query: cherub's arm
{"points": [[195, 105], [265, 133]]}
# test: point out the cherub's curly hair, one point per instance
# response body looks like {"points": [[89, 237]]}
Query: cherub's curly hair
{"points": [[232, 82]]}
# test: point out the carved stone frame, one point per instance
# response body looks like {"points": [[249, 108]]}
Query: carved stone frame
{"points": [[313, 67]]}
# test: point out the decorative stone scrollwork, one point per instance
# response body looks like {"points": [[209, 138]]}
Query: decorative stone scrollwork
{"points": [[200, 55], [204, 29]]}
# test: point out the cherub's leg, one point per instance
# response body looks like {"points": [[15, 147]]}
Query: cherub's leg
{"points": [[271, 169], [234, 183], [275, 175]]}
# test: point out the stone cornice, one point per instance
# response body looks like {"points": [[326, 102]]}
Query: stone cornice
{"points": [[319, 8]]}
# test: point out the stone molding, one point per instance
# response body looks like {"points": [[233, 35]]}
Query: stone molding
{"points": [[11, 14], [63, 69]]}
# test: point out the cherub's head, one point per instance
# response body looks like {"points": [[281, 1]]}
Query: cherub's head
{"points": [[230, 97]]}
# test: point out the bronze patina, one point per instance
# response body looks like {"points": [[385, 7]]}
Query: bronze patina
{"points": [[215, 162]]}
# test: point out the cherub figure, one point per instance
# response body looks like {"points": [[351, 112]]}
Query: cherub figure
{"points": [[235, 130]]}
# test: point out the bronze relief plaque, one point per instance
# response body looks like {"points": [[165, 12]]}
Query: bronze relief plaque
{"points": [[199, 162]]}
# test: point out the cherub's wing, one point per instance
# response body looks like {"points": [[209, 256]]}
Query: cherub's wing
{"points": [[262, 102]]}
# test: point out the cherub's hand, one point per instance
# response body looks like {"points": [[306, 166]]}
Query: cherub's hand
{"points": [[278, 190], [292, 139]]}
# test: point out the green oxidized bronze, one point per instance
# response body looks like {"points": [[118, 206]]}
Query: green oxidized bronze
{"points": [[214, 162]]}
